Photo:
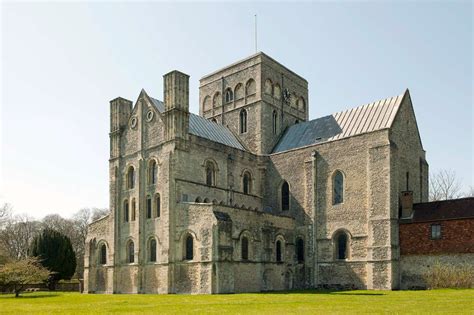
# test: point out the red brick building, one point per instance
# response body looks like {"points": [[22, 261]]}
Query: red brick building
{"points": [[439, 227], [431, 233]]}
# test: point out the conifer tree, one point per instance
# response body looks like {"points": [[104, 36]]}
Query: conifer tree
{"points": [[55, 253]]}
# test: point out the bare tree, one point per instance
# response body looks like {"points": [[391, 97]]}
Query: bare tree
{"points": [[5, 214], [17, 234], [98, 213], [470, 192], [444, 185]]}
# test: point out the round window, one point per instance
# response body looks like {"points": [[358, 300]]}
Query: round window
{"points": [[149, 115], [133, 122]]}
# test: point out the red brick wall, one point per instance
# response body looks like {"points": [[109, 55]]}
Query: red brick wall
{"points": [[457, 236]]}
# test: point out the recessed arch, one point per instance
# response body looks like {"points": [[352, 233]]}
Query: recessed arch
{"points": [[217, 100], [130, 248], [206, 103], [238, 92], [152, 246], [277, 91], [198, 200], [268, 87], [301, 103], [250, 87]]}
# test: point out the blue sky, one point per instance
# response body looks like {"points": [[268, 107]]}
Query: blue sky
{"points": [[62, 63]]}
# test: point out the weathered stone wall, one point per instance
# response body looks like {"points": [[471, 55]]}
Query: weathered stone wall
{"points": [[413, 268]]}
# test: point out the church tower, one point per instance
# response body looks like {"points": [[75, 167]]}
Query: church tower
{"points": [[256, 98]]}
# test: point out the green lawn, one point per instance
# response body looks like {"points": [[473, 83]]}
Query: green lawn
{"points": [[304, 302]]}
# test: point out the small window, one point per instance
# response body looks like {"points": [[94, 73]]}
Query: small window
{"points": [[131, 252], [436, 231], [152, 250], [341, 246], [274, 121], [152, 172], [148, 208], [103, 254], [247, 183], [300, 250], [189, 248], [285, 196], [157, 206], [131, 178], [245, 248], [338, 188], [214, 120], [229, 96], [243, 121], [134, 209], [278, 251], [210, 174], [125, 211]]}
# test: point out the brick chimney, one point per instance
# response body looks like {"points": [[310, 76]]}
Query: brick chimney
{"points": [[406, 203]]}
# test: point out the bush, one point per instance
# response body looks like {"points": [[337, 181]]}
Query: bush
{"points": [[450, 276]]}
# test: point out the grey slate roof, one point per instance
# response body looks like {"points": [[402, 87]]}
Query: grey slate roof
{"points": [[367, 118], [201, 127]]}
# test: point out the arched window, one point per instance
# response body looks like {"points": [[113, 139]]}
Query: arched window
{"points": [[125, 211], [238, 92], [152, 250], [341, 246], [229, 96], [103, 254], [148, 207], [285, 196], [217, 100], [250, 87], [274, 121], [300, 250], [130, 177], [152, 172], [338, 188], [247, 183], [214, 120], [243, 121], [157, 206], [210, 174], [189, 248], [206, 200], [277, 91], [198, 200], [245, 248], [131, 252], [133, 209], [268, 87], [278, 251]]}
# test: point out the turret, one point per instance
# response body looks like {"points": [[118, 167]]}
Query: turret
{"points": [[176, 98], [120, 110]]}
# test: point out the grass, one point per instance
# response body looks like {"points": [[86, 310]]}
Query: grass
{"points": [[447, 301]]}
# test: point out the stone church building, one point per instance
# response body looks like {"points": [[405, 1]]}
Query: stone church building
{"points": [[250, 195]]}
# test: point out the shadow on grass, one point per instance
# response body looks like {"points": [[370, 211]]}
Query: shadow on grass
{"points": [[336, 292], [24, 296]]}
